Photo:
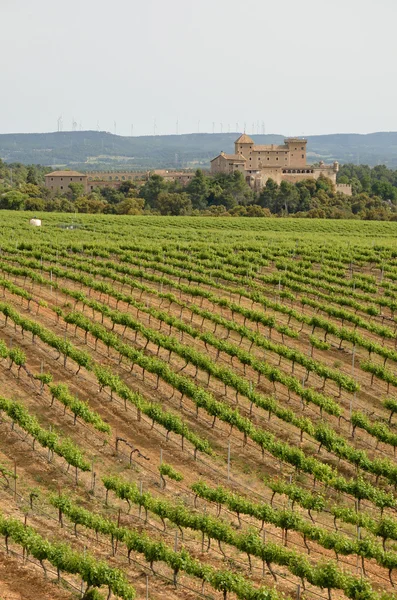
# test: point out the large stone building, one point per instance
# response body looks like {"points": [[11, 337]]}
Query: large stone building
{"points": [[58, 181], [286, 162]]}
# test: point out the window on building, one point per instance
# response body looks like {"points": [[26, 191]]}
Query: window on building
{"points": [[61, 187], [268, 158], [52, 187], [302, 148], [81, 179], [52, 179], [61, 178], [71, 179], [276, 157], [303, 156]]}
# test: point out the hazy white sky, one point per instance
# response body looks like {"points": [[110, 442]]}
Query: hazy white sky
{"points": [[296, 66]]}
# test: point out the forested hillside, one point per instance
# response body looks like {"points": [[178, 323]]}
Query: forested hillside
{"points": [[101, 150]]}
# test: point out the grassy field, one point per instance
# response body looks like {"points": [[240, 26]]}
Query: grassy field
{"points": [[197, 408]]}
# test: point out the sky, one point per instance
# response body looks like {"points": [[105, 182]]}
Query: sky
{"points": [[293, 67]]}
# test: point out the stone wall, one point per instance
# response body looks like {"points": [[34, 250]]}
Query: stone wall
{"points": [[344, 188]]}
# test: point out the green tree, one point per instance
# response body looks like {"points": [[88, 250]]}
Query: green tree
{"points": [[60, 205], [32, 190], [128, 188], [238, 211], [31, 176], [268, 194], [130, 206], [13, 200], [151, 190], [112, 195], [35, 204], [254, 210], [173, 204], [384, 190], [84, 204], [198, 190], [288, 198], [324, 183], [76, 190]]}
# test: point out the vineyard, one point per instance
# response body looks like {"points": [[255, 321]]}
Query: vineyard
{"points": [[198, 408]]}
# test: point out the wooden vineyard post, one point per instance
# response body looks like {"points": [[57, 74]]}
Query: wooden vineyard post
{"points": [[147, 587], [15, 479], [228, 460], [93, 478], [250, 392], [140, 491], [264, 542], [176, 550], [118, 526], [49, 450], [288, 498], [353, 359]]}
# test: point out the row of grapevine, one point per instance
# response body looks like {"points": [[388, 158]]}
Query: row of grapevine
{"points": [[287, 520], [154, 411], [93, 572], [344, 381], [182, 561], [324, 434], [47, 439], [326, 576]]}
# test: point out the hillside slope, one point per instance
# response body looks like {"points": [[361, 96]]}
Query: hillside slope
{"points": [[100, 150]]}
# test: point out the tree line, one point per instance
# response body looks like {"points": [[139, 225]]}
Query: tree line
{"points": [[374, 195]]}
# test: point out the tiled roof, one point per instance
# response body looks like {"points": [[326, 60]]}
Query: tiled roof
{"points": [[236, 157], [269, 148], [66, 174], [244, 139]]}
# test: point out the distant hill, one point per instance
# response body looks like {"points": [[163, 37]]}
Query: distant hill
{"points": [[90, 150]]}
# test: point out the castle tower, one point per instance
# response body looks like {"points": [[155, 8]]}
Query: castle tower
{"points": [[297, 152], [244, 145]]}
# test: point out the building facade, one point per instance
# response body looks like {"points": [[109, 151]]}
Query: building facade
{"points": [[286, 162], [58, 181]]}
